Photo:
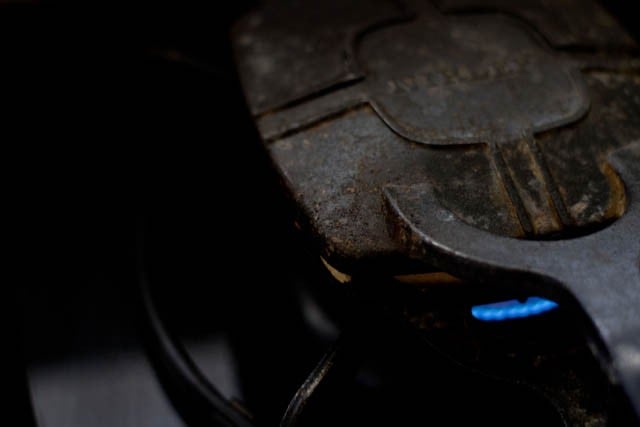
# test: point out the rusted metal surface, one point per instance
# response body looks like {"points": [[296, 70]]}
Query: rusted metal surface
{"points": [[564, 23], [473, 136], [292, 49], [506, 111], [601, 271]]}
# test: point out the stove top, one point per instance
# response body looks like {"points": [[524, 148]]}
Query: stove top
{"points": [[218, 237]]}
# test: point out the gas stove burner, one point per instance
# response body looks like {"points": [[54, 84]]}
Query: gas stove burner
{"points": [[477, 138], [428, 213]]}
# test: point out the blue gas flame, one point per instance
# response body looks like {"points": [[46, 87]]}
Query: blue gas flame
{"points": [[512, 309]]}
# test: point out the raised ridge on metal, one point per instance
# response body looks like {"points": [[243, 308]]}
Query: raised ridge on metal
{"points": [[506, 111]]}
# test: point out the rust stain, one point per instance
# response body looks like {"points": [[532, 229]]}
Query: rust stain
{"points": [[618, 196], [428, 279], [338, 275]]}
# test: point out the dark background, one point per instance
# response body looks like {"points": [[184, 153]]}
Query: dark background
{"points": [[120, 117]]}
